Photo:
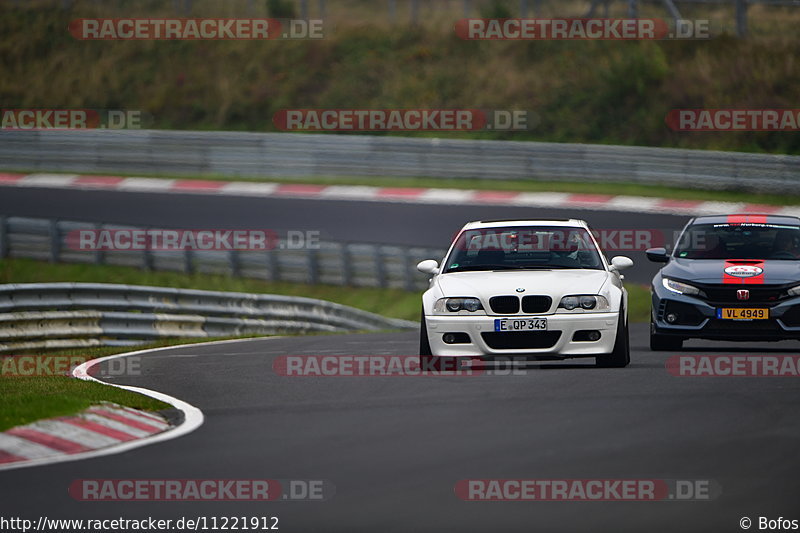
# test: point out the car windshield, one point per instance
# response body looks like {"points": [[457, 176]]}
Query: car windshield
{"points": [[740, 241], [524, 248]]}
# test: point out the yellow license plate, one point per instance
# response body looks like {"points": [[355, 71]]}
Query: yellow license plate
{"points": [[742, 313]]}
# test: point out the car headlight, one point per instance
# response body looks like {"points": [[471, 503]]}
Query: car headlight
{"points": [[584, 302], [454, 305], [794, 291], [680, 288]]}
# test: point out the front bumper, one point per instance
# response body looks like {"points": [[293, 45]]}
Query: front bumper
{"points": [[550, 344], [698, 318]]}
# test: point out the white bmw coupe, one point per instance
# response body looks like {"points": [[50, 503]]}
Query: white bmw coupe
{"points": [[535, 288]]}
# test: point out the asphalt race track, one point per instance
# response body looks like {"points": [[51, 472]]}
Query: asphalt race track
{"points": [[395, 446], [352, 221]]}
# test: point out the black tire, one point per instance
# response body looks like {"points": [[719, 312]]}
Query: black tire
{"points": [[424, 345], [620, 357], [663, 343]]}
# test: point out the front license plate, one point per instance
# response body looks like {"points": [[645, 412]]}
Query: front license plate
{"points": [[520, 324], [742, 313]]}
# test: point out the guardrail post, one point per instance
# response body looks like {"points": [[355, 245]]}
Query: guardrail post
{"points": [[272, 263], [55, 241], [313, 265], [347, 265], [235, 264], [99, 256], [147, 259], [188, 267], [147, 256], [3, 237], [380, 267]]}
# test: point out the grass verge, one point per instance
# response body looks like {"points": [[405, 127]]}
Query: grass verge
{"points": [[27, 399]]}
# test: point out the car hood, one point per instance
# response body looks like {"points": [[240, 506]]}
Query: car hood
{"points": [[555, 283], [713, 271]]}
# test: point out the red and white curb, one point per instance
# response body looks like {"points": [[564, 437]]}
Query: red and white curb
{"points": [[595, 202], [97, 427]]}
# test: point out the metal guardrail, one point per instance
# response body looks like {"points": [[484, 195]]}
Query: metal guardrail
{"points": [[52, 315], [332, 263], [193, 153]]}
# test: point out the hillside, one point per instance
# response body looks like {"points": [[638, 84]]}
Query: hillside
{"points": [[595, 92]]}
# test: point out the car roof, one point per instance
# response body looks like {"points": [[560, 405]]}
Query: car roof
{"points": [[747, 218], [563, 222]]}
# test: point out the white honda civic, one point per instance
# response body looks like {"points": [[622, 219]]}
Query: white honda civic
{"points": [[536, 288]]}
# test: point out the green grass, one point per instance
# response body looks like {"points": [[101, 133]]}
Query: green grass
{"points": [[27, 399], [638, 303]]}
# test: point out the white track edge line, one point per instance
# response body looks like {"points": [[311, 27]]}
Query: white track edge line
{"points": [[193, 417]]}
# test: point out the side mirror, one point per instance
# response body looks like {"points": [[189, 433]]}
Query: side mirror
{"points": [[657, 255], [621, 262], [429, 266]]}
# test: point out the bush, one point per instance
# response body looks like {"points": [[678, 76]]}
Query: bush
{"points": [[282, 9], [496, 9]]}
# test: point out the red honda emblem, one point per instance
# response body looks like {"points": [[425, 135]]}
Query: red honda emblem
{"points": [[743, 294]]}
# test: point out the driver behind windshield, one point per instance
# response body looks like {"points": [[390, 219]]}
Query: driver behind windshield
{"points": [[785, 245]]}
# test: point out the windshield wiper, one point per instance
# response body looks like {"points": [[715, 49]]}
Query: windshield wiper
{"points": [[468, 268]]}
